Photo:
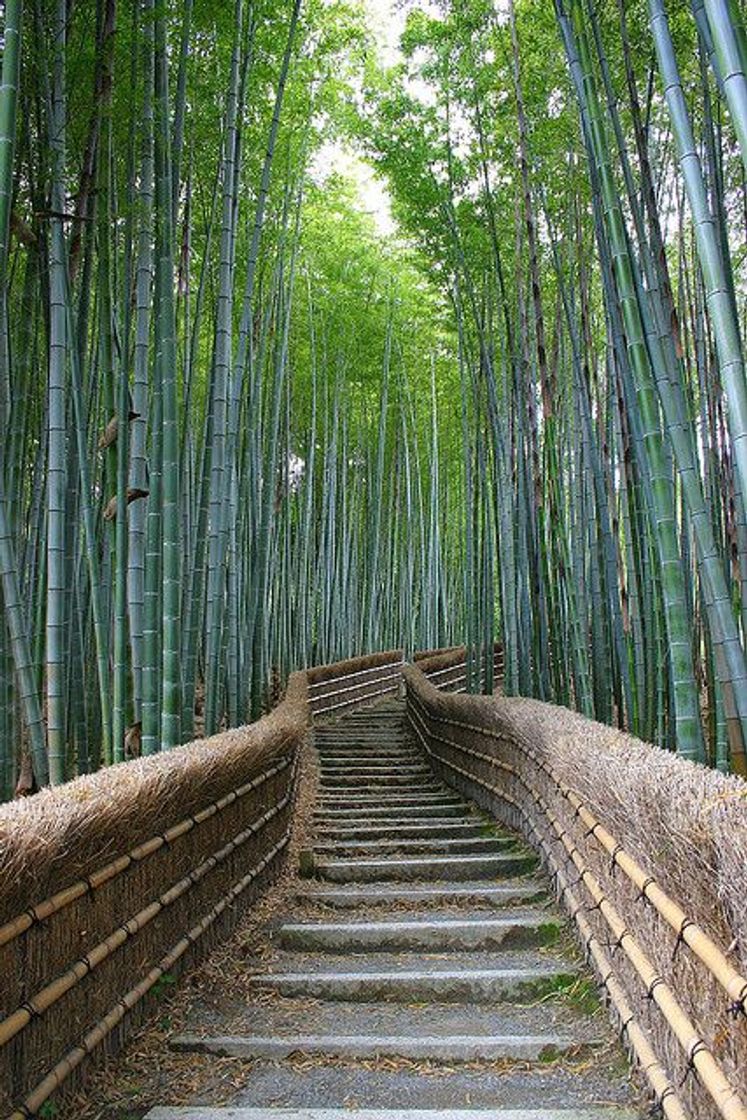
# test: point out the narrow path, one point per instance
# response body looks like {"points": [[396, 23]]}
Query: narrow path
{"points": [[424, 974]]}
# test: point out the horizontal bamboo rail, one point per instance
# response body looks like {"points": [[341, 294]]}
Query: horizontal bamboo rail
{"points": [[51, 993], [698, 1055], [345, 691], [344, 685], [326, 681], [44, 910], [686, 929], [62, 1070]]}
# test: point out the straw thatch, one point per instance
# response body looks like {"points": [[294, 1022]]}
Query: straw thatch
{"points": [[61, 838], [339, 669], [684, 824], [336, 687]]}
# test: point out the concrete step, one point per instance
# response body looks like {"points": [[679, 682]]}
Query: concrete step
{"points": [[373, 768], [368, 752], [427, 868], [397, 799], [465, 979], [451, 1049], [369, 756], [399, 783], [447, 845], [230, 1112], [377, 812], [444, 894], [405, 830], [363, 771], [386, 739], [435, 935], [283, 1018]]}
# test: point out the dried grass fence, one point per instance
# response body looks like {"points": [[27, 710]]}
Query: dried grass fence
{"points": [[113, 884], [648, 854], [448, 669], [336, 687]]}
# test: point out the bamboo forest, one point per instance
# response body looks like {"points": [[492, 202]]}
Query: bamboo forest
{"points": [[330, 327]]}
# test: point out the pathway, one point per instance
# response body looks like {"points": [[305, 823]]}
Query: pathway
{"points": [[425, 975]]}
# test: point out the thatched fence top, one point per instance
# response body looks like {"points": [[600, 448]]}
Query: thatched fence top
{"points": [[113, 883], [649, 854]]}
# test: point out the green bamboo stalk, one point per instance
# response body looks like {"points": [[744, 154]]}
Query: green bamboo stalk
{"points": [[684, 692], [56, 620], [728, 39], [165, 375]]}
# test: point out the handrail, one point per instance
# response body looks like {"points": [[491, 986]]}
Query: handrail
{"points": [[696, 1051], [352, 676], [255, 810], [44, 910], [687, 930], [357, 686]]}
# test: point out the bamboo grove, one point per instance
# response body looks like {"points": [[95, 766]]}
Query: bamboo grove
{"points": [[243, 430], [197, 437], [576, 174]]}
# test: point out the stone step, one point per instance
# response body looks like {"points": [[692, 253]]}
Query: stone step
{"points": [[428, 935], [371, 766], [448, 845], [385, 739], [398, 799], [346, 774], [230, 1112], [454, 1048], [404, 830], [427, 868], [282, 1018], [443, 894], [397, 783], [461, 981], [368, 755], [369, 813]]}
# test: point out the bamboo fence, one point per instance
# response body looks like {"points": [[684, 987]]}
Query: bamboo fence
{"points": [[649, 855]]}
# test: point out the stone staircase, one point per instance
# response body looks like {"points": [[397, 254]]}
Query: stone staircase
{"points": [[423, 973]]}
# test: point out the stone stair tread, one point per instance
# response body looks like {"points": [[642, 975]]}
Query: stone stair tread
{"points": [[393, 815], [385, 789], [439, 985], [374, 758], [435, 867], [426, 921], [364, 895], [450, 1048], [227, 1112], [382, 846], [514, 961], [438, 934], [540, 1094], [561, 1018], [417, 827]]}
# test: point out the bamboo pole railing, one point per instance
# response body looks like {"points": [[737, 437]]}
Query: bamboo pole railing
{"points": [[429, 720], [70, 996]]}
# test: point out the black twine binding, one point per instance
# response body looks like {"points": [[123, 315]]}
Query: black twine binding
{"points": [[739, 1006], [642, 896], [681, 936]]}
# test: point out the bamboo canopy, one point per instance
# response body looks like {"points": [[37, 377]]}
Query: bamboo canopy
{"points": [[310, 348]]}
